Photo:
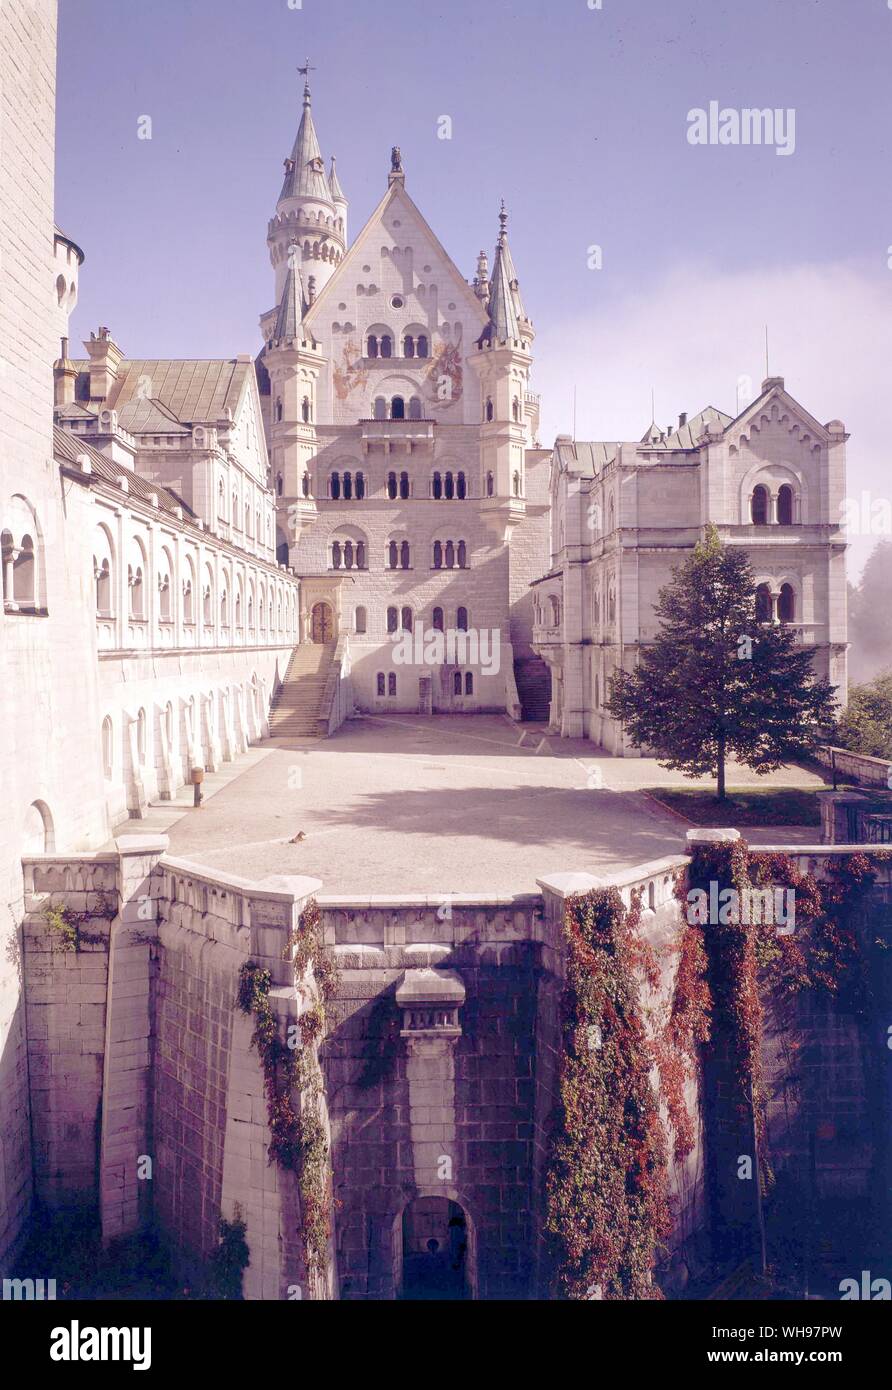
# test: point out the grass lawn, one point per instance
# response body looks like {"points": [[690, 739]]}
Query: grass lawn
{"points": [[743, 806]]}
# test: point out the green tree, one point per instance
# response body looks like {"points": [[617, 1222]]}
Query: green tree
{"points": [[866, 724], [716, 681]]}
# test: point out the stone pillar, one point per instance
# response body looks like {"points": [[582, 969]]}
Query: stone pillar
{"points": [[125, 1154]]}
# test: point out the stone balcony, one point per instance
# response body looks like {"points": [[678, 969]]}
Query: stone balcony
{"points": [[397, 436]]}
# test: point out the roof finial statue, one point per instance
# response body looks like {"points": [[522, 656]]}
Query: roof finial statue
{"points": [[503, 222], [396, 160]]}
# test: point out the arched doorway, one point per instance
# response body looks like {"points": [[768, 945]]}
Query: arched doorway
{"points": [[321, 623], [435, 1250]]}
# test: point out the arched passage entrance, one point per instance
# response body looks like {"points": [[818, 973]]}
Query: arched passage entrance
{"points": [[435, 1248], [321, 623]]}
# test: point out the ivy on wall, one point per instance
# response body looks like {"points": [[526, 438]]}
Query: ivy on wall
{"points": [[293, 1080], [607, 1183], [231, 1258], [68, 926], [607, 1187]]}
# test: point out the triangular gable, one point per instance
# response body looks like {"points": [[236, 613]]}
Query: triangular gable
{"points": [[751, 414], [373, 228]]}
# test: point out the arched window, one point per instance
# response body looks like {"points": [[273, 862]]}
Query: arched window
{"points": [[386, 345], [234, 510], [415, 408], [456, 682], [406, 620], [348, 555], [398, 408], [786, 604], [392, 555], [336, 555], [408, 346], [305, 410], [278, 408], [393, 619], [360, 487], [437, 487], [449, 487], [404, 555], [449, 555], [348, 487], [221, 498], [24, 575], [372, 346], [489, 409], [280, 484], [247, 520], [141, 736], [360, 620], [404, 485], [438, 555], [381, 687], [305, 485], [515, 410], [134, 581], [108, 748], [759, 506], [785, 505], [490, 485], [334, 486], [764, 606], [461, 620], [380, 411], [469, 682], [421, 347], [516, 484], [360, 555], [391, 486], [103, 587], [438, 620], [462, 555], [238, 612], [460, 487], [164, 605], [391, 682], [207, 605]]}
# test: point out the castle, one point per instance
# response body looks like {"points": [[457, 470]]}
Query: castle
{"points": [[197, 553]]}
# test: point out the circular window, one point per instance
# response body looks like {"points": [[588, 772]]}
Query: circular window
{"points": [[452, 306], [367, 268], [397, 302], [396, 224], [427, 270], [342, 306]]}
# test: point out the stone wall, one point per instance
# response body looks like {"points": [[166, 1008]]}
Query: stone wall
{"points": [[440, 1064], [855, 767]]}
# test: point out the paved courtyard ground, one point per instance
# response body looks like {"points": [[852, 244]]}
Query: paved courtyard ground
{"points": [[443, 805]]}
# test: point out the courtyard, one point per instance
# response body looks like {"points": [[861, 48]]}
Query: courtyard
{"points": [[445, 805]]}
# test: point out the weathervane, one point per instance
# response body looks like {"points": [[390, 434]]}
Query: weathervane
{"points": [[306, 70]]}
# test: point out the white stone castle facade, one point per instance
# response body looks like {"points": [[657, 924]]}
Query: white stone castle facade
{"points": [[402, 432], [173, 530], [623, 515]]}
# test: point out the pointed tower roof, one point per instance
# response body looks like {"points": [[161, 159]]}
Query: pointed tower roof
{"points": [[505, 307], [334, 183], [305, 170], [292, 306]]}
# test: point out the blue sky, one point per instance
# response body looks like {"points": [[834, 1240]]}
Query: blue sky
{"points": [[577, 117]]}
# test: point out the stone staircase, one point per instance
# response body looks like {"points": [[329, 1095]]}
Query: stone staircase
{"points": [[533, 680], [297, 709]]}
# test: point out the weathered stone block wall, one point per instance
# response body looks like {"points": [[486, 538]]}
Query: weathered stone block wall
{"points": [[65, 998], [404, 1128]]}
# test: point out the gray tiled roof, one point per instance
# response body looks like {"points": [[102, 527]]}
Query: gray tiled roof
{"points": [[505, 306], [291, 308], [586, 456], [306, 176], [193, 391], [69, 449]]}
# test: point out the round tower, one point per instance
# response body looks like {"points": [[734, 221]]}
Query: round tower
{"points": [[307, 213]]}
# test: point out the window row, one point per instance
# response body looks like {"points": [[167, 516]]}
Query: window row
{"points": [[397, 409], [462, 683], [766, 510], [516, 410], [348, 487], [19, 561], [402, 619], [253, 527], [779, 607], [352, 554], [382, 344], [306, 410]]}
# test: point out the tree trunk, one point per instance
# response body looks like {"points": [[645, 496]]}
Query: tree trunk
{"points": [[721, 769]]}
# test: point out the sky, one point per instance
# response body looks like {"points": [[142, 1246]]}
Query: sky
{"points": [[579, 118]]}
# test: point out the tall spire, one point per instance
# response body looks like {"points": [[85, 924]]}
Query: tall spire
{"points": [[305, 170], [507, 317], [292, 305], [334, 184]]}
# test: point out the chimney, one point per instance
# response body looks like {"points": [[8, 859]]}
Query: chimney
{"points": [[105, 359], [682, 419], [64, 377]]}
